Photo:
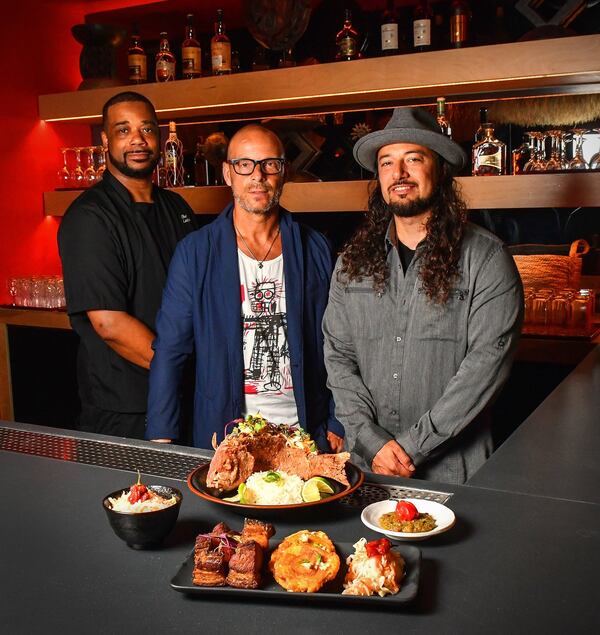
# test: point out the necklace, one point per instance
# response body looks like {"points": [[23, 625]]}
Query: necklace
{"points": [[259, 261]]}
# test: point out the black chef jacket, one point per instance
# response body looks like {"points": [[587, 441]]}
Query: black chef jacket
{"points": [[115, 254]]}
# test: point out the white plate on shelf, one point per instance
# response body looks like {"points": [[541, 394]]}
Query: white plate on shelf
{"points": [[444, 518]]}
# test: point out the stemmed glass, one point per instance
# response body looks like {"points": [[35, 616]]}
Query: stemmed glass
{"points": [[555, 162], [578, 162], [101, 162], [78, 171], [64, 174], [89, 175], [595, 160], [536, 162]]}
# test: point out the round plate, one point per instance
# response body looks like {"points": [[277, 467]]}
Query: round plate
{"points": [[444, 518], [197, 484]]}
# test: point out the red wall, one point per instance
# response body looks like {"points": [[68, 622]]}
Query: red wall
{"points": [[46, 60]]}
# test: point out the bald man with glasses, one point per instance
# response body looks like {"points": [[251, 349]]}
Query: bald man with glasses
{"points": [[247, 294]]}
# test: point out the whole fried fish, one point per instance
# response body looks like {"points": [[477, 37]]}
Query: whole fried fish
{"points": [[243, 453]]}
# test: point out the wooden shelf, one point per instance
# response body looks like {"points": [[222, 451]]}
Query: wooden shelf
{"points": [[542, 67], [500, 192]]}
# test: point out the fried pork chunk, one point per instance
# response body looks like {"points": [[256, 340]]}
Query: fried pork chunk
{"points": [[258, 531], [245, 566], [212, 553]]}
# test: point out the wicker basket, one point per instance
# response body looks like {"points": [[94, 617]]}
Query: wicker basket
{"points": [[553, 271]]}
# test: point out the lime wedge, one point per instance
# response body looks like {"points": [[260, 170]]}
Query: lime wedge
{"points": [[232, 499], [315, 489], [241, 492]]}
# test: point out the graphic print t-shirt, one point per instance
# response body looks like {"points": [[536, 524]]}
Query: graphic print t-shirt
{"points": [[267, 374]]}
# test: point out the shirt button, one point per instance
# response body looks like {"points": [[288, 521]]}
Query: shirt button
{"points": [[393, 412], [395, 375], [398, 339]]}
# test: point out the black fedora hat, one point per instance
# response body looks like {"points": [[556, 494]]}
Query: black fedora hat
{"points": [[409, 125]]}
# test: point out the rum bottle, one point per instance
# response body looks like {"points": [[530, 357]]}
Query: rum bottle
{"points": [[165, 61], [422, 27], [136, 60], [442, 120], [489, 154], [174, 158], [220, 48], [389, 30], [460, 14], [346, 40], [483, 122], [191, 55]]}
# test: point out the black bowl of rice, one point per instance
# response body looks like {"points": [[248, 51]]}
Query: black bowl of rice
{"points": [[145, 524]]}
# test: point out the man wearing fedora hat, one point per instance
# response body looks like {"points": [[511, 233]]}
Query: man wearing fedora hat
{"points": [[424, 313]]}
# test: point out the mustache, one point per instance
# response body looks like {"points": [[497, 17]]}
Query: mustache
{"points": [[402, 182]]}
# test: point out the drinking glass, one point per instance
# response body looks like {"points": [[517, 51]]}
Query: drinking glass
{"points": [[554, 163], [12, 290], [540, 306], [581, 309], [77, 174], [64, 174], [595, 160], [89, 175], [101, 162], [578, 162], [560, 309]]}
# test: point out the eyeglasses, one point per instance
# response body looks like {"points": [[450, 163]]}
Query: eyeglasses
{"points": [[245, 167]]}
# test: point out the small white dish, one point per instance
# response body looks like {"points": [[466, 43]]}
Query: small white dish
{"points": [[444, 518]]}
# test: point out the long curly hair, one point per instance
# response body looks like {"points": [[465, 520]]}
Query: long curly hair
{"points": [[364, 254]]}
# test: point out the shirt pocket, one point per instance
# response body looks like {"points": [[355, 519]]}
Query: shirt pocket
{"points": [[442, 322], [364, 310]]}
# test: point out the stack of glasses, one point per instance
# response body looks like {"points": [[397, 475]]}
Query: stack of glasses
{"points": [[42, 292], [564, 312]]}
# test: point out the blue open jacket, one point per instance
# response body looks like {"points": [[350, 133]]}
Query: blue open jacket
{"points": [[201, 311]]}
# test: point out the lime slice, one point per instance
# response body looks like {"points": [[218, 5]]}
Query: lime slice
{"points": [[241, 492], [315, 489], [232, 499]]}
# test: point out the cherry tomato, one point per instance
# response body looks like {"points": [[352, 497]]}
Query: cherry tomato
{"points": [[378, 547], [405, 510]]}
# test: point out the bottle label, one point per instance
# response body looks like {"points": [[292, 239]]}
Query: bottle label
{"points": [[389, 36], [221, 56], [422, 33], [165, 71], [137, 68], [191, 61], [347, 46], [458, 28], [489, 163]]}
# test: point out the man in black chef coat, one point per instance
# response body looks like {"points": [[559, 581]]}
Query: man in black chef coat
{"points": [[116, 241]]}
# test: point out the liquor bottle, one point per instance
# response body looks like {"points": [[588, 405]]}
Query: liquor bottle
{"points": [[483, 122], [389, 30], [501, 33], [439, 33], [191, 54], [136, 60], [174, 158], [286, 59], [443, 122], [346, 41], [201, 173], [165, 61], [220, 48], [160, 173], [459, 23], [489, 154], [422, 27]]}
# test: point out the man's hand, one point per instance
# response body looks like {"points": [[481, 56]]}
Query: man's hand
{"points": [[393, 461], [336, 443]]}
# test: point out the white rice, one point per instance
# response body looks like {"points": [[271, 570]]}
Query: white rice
{"points": [[153, 504], [285, 491]]}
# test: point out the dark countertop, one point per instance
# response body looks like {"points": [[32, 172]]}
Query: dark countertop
{"points": [[555, 451], [514, 563]]}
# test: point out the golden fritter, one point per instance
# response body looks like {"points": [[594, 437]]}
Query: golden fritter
{"points": [[304, 561]]}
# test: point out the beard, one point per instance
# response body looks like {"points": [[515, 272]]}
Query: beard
{"points": [[264, 209], [134, 173], [412, 207]]}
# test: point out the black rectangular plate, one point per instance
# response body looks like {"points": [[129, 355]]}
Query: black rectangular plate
{"points": [[331, 592]]}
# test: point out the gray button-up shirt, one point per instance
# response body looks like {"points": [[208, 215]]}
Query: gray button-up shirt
{"points": [[401, 367]]}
